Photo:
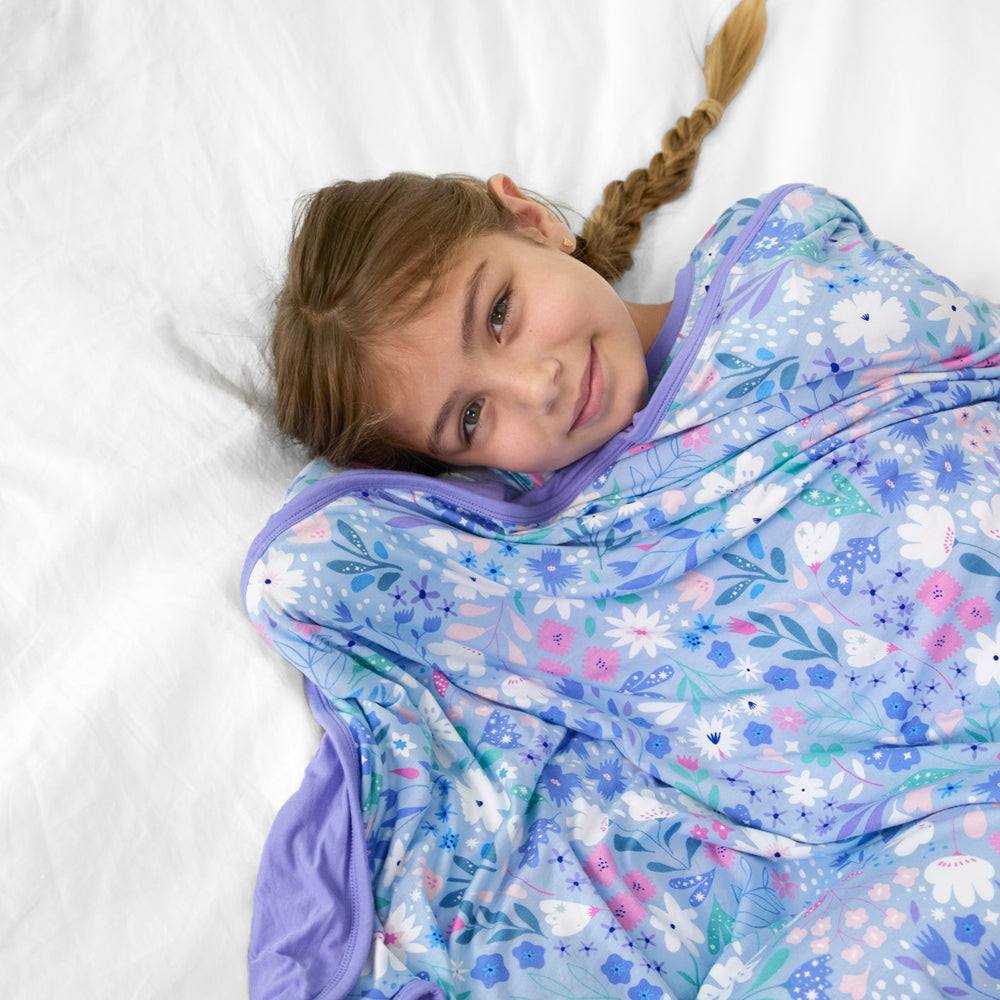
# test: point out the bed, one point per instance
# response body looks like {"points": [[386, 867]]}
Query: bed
{"points": [[152, 158]]}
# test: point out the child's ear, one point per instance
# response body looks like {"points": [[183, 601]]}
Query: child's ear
{"points": [[533, 218]]}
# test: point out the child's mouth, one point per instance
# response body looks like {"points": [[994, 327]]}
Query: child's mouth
{"points": [[591, 392]]}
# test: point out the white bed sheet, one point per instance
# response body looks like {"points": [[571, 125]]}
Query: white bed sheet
{"points": [[151, 154]]}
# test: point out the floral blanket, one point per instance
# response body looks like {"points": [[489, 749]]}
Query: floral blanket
{"points": [[715, 712]]}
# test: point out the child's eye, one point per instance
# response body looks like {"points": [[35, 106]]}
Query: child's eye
{"points": [[470, 418], [498, 314]]}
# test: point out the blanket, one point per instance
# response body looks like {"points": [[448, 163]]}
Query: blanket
{"points": [[712, 712]]}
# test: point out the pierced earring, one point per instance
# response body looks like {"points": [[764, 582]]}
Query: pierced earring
{"points": [[567, 242]]}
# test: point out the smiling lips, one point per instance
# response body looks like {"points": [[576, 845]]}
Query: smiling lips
{"points": [[591, 392]]}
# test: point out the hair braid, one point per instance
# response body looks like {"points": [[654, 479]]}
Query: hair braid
{"points": [[613, 228]]}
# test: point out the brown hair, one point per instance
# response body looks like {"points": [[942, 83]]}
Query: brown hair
{"points": [[366, 254]]}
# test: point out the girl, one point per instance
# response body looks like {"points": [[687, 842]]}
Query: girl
{"points": [[704, 703]]}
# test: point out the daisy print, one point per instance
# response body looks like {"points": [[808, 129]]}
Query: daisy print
{"points": [[640, 630], [951, 307], [865, 316]]}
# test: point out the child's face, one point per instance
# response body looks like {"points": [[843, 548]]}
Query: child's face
{"points": [[526, 361]]}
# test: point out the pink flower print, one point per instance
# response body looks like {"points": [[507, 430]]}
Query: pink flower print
{"points": [[312, 529], [988, 430], [974, 443], [879, 892], [995, 842], [700, 832], [906, 876], [306, 629], [854, 954], [639, 886], [939, 592], [974, 613], [788, 718], [549, 666], [796, 935], [740, 626], [943, 642], [696, 436], [600, 866], [691, 763], [721, 830], [600, 664], [874, 937], [782, 881], [556, 637], [820, 946], [628, 911], [856, 986], [894, 918], [965, 417], [695, 588], [822, 926], [856, 918], [722, 856]]}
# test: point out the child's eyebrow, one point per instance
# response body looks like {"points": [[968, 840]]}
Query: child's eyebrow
{"points": [[472, 287]]}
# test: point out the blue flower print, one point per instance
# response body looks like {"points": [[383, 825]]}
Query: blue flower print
{"points": [[774, 238], [757, 733], [991, 961], [933, 947], [811, 980], [890, 485], [969, 929], [561, 786], [550, 569], [990, 787], [658, 745], [821, 676], [529, 956], [490, 970], [951, 468], [645, 990], [896, 706], [781, 678], [914, 731], [893, 757], [609, 778], [721, 654], [617, 969], [655, 518]]}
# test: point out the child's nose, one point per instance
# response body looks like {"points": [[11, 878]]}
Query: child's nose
{"points": [[535, 386]]}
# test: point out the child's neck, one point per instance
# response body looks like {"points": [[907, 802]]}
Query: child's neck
{"points": [[648, 319]]}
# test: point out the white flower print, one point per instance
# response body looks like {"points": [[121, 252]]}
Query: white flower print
{"points": [[816, 541], [564, 606], [986, 658], [587, 822], [770, 845], [757, 506], [952, 308], [715, 486], [864, 650], [401, 744], [804, 789], [482, 801], [798, 289], [566, 918], [274, 581], [677, 924], [913, 837], [989, 516], [726, 975], [458, 657], [645, 806], [961, 875], [930, 534], [397, 939], [642, 629], [713, 738], [866, 316]]}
